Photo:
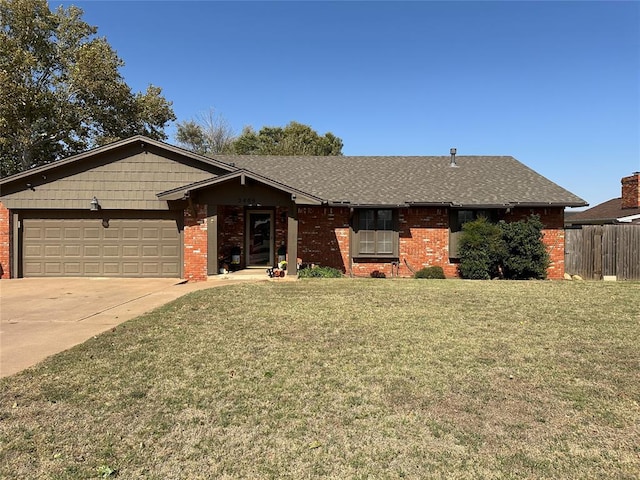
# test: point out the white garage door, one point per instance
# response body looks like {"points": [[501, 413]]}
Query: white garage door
{"points": [[116, 247]]}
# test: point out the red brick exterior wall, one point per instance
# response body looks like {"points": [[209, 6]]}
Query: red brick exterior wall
{"points": [[631, 191], [323, 237], [424, 240], [195, 243], [231, 228], [281, 220], [5, 242], [231, 231]]}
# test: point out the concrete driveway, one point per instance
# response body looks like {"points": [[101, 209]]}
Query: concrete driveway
{"points": [[43, 316]]}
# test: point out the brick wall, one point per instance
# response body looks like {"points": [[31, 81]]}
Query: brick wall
{"points": [[631, 191], [424, 240], [5, 242], [553, 238], [231, 232], [280, 225], [195, 243], [323, 236]]}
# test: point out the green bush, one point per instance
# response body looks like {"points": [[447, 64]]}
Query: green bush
{"points": [[430, 272], [523, 254], [479, 247], [319, 272], [514, 251], [378, 274]]}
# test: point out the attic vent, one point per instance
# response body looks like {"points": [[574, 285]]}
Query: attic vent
{"points": [[453, 152]]}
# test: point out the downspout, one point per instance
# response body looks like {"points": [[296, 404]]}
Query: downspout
{"points": [[351, 211]]}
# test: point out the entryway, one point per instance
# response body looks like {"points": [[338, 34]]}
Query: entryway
{"points": [[259, 238]]}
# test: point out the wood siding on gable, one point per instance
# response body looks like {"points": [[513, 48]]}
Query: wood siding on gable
{"points": [[252, 193], [125, 180]]}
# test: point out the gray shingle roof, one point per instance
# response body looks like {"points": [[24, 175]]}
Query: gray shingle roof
{"points": [[395, 180], [375, 180], [605, 212]]}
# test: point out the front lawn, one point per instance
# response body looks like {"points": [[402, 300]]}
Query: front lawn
{"points": [[343, 379]]}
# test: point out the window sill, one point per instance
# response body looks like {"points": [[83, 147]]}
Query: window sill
{"points": [[376, 258]]}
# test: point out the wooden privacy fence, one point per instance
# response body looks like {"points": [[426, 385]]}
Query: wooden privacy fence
{"points": [[595, 251]]}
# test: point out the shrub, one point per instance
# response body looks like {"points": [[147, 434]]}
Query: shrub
{"points": [[319, 272], [523, 255], [513, 250], [378, 274], [479, 247], [430, 272]]}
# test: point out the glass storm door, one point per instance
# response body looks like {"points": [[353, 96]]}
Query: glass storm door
{"points": [[259, 238]]}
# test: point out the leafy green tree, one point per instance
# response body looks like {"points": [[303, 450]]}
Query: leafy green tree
{"points": [[208, 134], [294, 139], [60, 88], [191, 136]]}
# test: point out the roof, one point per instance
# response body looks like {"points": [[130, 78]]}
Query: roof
{"points": [[476, 181], [110, 147], [608, 212], [395, 180], [242, 174]]}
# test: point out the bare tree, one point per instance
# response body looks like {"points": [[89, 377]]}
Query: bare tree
{"points": [[209, 133]]}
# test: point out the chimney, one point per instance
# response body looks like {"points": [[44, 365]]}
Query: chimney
{"points": [[631, 191], [453, 163]]}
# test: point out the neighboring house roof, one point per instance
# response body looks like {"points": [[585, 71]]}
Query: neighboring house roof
{"points": [[610, 211], [395, 180]]}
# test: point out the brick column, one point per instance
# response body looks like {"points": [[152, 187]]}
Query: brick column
{"points": [[553, 239], [5, 242], [195, 243]]}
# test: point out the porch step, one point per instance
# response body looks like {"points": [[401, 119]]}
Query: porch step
{"points": [[248, 274]]}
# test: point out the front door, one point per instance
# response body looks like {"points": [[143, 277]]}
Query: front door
{"points": [[259, 238]]}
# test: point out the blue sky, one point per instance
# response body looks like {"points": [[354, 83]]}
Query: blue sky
{"points": [[554, 84]]}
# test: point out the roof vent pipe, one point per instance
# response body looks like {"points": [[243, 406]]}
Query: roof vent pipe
{"points": [[453, 152]]}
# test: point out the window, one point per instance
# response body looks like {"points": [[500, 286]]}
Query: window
{"points": [[457, 218], [375, 233]]}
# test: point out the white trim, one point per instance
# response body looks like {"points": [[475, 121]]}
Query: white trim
{"points": [[628, 219]]}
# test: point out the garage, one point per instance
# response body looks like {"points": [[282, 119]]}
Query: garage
{"points": [[99, 214], [135, 244]]}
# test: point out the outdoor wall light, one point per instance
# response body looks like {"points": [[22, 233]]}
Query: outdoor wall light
{"points": [[95, 206]]}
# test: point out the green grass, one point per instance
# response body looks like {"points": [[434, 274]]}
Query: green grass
{"points": [[343, 379]]}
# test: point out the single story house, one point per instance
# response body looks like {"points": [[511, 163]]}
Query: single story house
{"points": [[623, 210], [143, 208]]}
